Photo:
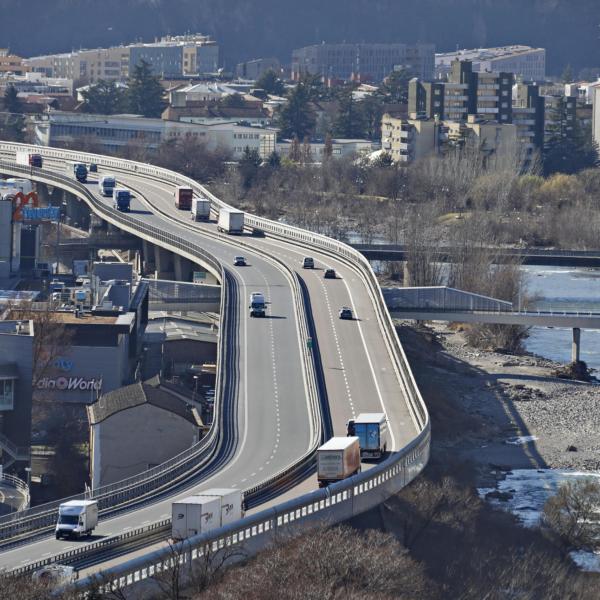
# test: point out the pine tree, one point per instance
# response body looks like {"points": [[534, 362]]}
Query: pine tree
{"points": [[249, 166], [270, 82], [350, 122], [104, 98], [11, 100], [145, 93], [296, 118]]}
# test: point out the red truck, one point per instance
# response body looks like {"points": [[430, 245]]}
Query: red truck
{"points": [[183, 197]]}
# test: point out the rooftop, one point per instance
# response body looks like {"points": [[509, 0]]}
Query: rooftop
{"points": [[485, 53], [16, 328], [136, 394]]}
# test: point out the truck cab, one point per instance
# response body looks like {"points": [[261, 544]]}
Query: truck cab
{"points": [[372, 432], [122, 199], [76, 518], [257, 305], [80, 171], [107, 184]]}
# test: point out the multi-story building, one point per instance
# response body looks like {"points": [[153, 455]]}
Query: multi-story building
{"points": [[528, 114], [363, 62], [253, 69], [9, 63], [527, 63], [487, 95], [115, 132], [169, 57], [561, 116], [84, 66], [410, 139]]}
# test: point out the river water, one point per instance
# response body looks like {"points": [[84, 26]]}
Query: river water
{"points": [[570, 289]]}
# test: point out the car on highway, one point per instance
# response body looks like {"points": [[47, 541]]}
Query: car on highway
{"points": [[239, 261], [93, 168], [329, 274], [346, 313], [308, 263]]}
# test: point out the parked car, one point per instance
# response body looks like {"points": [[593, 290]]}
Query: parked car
{"points": [[329, 274], [239, 261], [308, 263], [346, 313]]}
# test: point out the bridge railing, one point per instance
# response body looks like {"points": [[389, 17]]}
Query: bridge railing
{"points": [[346, 498], [128, 491]]}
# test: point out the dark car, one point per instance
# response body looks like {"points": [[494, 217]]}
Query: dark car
{"points": [[256, 232], [239, 261], [93, 168], [346, 313], [329, 274]]}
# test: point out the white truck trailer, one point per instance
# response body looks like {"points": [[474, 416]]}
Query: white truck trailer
{"points": [[372, 432], [338, 459], [231, 221], [201, 513], [28, 159], [76, 518], [200, 209]]}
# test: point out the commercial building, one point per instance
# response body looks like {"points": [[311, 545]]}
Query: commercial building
{"points": [[363, 62], [16, 376], [525, 62], [171, 56], [115, 132]]}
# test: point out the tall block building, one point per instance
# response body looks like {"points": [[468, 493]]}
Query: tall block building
{"points": [[363, 61]]}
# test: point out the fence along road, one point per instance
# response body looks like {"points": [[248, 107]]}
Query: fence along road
{"points": [[271, 429], [364, 366]]}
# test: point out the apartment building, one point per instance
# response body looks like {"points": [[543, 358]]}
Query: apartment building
{"points": [[407, 140], [84, 66], [171, 56], [114, 132], [10, 63], [363, 62], [528, 114], [487, 95], [525, 62]]}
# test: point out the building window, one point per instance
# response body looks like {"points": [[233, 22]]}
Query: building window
{"points": [[7, 392]]}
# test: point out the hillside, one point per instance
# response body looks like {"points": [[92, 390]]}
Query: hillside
{"points": [[249, 29]]}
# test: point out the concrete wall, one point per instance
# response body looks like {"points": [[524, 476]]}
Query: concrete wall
{"points": [[16, 423], [130, 441]]}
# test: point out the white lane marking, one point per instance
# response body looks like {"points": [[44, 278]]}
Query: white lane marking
{"points": [[272, 243], [381, 401], [338, 347]]}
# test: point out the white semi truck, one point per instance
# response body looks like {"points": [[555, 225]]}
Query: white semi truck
{"points": [[29, 159], [107, 184], [372, 432], [337, 459], [76, 518], [201, 513], [200, 209], [231, 221]]}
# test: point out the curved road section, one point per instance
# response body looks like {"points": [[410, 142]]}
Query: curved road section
{"points": [[363, 366]]}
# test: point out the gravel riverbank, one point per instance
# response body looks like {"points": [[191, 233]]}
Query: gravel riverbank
{"points": [[502, 411]]}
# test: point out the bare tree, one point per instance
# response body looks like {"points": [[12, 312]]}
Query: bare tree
{"points": [[571, 515]]}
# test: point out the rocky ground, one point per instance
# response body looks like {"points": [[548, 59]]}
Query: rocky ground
{"points": [[501, 411]]}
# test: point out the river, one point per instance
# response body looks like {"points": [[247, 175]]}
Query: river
{"points": [[570, 289]]}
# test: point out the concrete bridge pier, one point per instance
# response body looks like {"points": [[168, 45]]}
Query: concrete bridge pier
{"points": [[576, 345], [183, 268], [148, 263], [77, 212], [165, 268]]}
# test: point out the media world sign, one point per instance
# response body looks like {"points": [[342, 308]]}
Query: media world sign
{"points": [[48, 213], [74, 384]]}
